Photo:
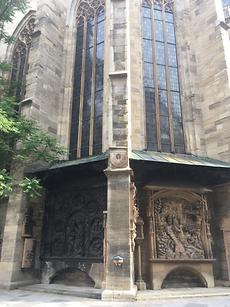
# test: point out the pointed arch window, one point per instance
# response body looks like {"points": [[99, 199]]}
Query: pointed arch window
{"points": [[20, 59], [164, 128], [87, 104]]}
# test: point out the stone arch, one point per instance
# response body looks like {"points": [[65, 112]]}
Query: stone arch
{"points": [[188, 277], [22, 24], [73, 277]]}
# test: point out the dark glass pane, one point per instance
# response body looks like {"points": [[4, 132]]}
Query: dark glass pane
{"points": [[97, 135], [76, 94], [180, 149], [100, 32], [163, 102], [99, 78], [21, 74], [178, 132], [98, 104], [159, 31], [22, 65], [148, 50], [174, 79], [87, 92], [169, 17], [147, 28], [160, 55], [15, 67], [150, 100], [151, 131], [165, 133], [172, 57], [158, 14], [100, 54], [148, 75], [176, 107], [146, 12], [98, 101], [101, 16], [165, 147], [90, 33], [161, 76], [170, 33], [85, 138]]}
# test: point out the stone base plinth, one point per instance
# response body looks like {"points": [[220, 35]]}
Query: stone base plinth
{"points": [[17, 284], [141, 285], [119, 295], [160, 268]]}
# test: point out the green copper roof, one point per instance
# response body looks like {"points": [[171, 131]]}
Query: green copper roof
{"points": [[177, 159], [80, 161]]}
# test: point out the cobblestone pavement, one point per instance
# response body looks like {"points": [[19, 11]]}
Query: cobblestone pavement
{"points": [[19, 298]]}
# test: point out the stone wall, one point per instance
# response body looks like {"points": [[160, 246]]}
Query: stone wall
{"points": [[208, 74], [45, 65]]}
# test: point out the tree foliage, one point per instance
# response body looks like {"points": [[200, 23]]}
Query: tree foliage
{"points": [[8, 9], [22, 142]]}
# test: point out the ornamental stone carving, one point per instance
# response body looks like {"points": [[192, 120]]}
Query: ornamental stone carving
{"points": [[181, 228], [89, 7], [134, 214], [167, 4], [118, 159], [24, 38]]}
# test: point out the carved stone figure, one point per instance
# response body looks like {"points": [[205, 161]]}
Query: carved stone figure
{"points": [[181, 229], [134, 214]]}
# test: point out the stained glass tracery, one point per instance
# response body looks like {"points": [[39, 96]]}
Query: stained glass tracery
{"points": [[86, 126], [20, 59], [164, 128]]}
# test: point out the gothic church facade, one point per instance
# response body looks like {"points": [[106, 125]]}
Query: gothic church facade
{"points": [[138, 92]]}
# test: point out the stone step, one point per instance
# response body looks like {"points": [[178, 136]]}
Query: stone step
{"points": [[178, 293], [85, 292]]}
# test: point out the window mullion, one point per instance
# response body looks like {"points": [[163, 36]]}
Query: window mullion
{"points": [[168, 85], [93, 87], [82, 89], [156, 82]]}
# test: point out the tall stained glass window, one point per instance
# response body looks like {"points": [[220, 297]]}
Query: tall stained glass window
{"points": [[20, 59], [164, 128], [86, 124]]}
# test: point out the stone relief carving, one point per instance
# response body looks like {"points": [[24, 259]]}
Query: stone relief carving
{"points": [[118, 159], [74, 224], [89, 7], [181, 229]]}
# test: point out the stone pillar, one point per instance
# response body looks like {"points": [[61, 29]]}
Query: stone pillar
{"points": [[119, 271], [12, 275], [222, 218]]}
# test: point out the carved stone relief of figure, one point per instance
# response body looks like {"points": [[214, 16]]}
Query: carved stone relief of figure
{"points": [[181, 229], [74, 224]]}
